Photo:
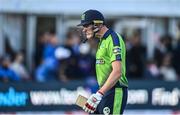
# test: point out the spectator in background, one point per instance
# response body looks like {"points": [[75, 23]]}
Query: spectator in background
{"points": [[40, 45], [70, 69], [50, 47], [136, 56], [164, 47], [176, 58], [18, 67], [47, 71], [72, 43], [62, 54], [166, 69], [151, 70], [6, 73], [49, 66], [86, 61]]}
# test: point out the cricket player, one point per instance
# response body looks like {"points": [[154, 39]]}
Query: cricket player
{"points": [[112, 95]]}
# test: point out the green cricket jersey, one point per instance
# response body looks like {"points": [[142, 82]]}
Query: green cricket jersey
{"points": [[111, 48]]}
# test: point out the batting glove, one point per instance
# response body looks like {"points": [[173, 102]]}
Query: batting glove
{"points": [[93, 102]]}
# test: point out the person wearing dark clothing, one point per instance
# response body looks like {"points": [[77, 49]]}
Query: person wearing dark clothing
{"points": [[136, 56], [176, 59]]}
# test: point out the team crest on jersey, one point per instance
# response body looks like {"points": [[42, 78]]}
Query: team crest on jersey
{"points": [[116, 50], [100, 61], [106, 111], [83, 17]]}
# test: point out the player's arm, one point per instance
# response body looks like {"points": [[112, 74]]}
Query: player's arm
{"points": [[114, 51], [113, 77], [95, 99]]}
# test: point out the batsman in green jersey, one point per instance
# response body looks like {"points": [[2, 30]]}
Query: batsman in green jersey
{"points": [[111, 98]]}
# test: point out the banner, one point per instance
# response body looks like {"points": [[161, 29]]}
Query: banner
{"points": [[58, 96], [154, 95]]}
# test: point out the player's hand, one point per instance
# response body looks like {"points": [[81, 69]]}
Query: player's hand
{"points": [[93, 102]]}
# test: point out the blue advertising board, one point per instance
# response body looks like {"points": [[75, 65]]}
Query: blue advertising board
{"points": [[58, 96]]}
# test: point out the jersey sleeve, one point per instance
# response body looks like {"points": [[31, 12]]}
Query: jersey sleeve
{"points": [[114, 48]]}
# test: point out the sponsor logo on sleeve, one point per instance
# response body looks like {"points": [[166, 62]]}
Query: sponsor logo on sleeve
{"points": [[116, 50]]}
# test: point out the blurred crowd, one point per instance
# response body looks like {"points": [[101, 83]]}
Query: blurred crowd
{"points": [[76, 61], [70, 61], [52, 61], [164, 65]]}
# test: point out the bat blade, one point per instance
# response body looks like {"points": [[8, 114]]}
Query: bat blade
{"points": [[81, 101]]}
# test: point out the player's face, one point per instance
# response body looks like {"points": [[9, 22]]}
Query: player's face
{"points": [[87, 29]]}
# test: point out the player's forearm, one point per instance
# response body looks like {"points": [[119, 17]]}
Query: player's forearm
{"points": [[111, 81]]}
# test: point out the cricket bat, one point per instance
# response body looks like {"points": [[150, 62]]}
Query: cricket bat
{"points": [[81, 101]]}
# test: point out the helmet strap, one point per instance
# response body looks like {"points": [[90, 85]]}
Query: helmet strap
{"points": [[96, 29]]}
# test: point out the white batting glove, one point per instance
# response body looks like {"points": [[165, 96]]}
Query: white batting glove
{"points": [[93, 102]]}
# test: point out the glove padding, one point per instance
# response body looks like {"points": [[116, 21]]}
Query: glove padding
{"points": [[93, 102]]}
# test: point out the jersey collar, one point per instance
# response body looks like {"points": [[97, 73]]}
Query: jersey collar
{"points": [[108, 32]]}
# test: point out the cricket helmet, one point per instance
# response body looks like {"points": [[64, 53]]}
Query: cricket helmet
{"points": [[91, 17]]}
